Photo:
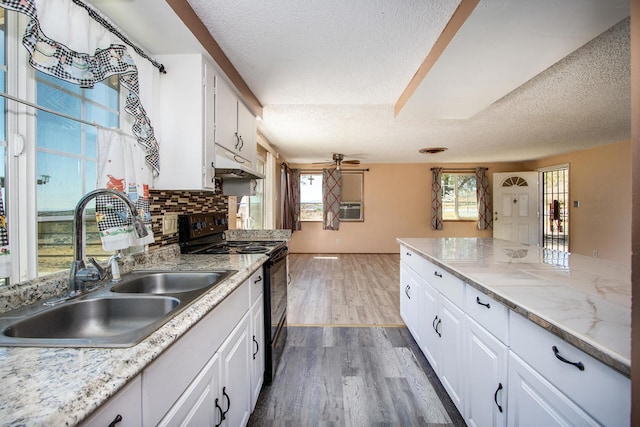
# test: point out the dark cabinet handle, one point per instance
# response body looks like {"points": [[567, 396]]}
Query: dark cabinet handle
{"points": [[495, 397], [438, 324], [433, 324], [258, 280], [116, 420], [408, 254], [241, 143], [437, 274], [237, 140], [224, 394], [257, 347], [406, 291], [222, 417], [486, 304], [578, 365], [288, 279]]}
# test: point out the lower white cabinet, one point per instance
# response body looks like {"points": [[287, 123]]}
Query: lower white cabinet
{"points": [[534, 401], [122, 410], [211, 376], [486, 377], [409, 296]]}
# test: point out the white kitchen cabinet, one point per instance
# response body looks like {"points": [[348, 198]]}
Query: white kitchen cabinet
{"points": [[485, 362], [450, 329], [236, 128], [125, 406], [428, 317], [409, 295], [258, 343], [186, 125], [534, 401]]}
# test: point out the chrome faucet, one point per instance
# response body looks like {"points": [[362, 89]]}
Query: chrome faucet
{"points": [[81, 273]]}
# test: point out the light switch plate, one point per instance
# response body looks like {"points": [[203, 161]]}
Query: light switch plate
{"points": [[169, 224]]}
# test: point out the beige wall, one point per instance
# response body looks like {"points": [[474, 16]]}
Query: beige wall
{"points": [[397, 204], [600, 179]]}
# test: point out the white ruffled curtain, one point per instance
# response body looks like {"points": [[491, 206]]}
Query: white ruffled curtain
{"points": [[122, 167]]}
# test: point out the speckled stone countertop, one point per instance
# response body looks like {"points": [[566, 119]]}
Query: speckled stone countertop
{"points": [[586, 301], [246, 235], [63, 386]]}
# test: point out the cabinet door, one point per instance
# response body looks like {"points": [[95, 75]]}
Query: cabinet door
{"points": [[209, 127], [247, 132], [486, 373], [534, 402], [257, 356], [451, 334], [409, 293], [197, 406], [226, 116], [428, 318], [235, 390], [125, 405]]}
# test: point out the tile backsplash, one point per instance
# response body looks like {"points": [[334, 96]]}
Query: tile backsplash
{"points": [[182, 202]]}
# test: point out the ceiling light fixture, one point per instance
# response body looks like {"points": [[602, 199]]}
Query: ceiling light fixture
{"points": [[432, 150]]}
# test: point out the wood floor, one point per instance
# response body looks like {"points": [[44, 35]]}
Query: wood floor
{"points": [[344, 289], [340, 367]]}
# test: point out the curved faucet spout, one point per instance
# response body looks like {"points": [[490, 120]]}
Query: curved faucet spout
{"points": [[80, 274]]}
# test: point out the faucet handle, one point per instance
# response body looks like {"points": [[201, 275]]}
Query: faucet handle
{"points": [[101, 271]]}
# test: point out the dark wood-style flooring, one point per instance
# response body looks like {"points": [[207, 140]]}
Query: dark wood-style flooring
{"points": [[369, 373]]}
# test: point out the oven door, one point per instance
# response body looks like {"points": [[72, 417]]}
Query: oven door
{"points": [[275, 310]]}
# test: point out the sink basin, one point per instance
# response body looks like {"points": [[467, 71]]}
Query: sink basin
{"points": [[118, 315], [94, 321], [169, 282]]}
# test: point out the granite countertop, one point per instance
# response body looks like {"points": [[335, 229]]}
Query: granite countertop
{"points": [[586, 301], [63, 386]]}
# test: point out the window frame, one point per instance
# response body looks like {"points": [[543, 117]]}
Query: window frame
{"points": [[317, 174], [456, 198]]}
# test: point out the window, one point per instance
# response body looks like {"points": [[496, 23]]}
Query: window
{"points": [[459, 200], [351, 197], [311, 197], [66, 164]]}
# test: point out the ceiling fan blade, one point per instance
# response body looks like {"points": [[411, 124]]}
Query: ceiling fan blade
{"points": [[351, 162]]}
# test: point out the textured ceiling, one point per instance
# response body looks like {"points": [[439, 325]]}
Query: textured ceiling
{"points": [[329, 73]]}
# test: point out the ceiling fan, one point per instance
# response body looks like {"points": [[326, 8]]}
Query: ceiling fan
{"points": [[338, 160]]}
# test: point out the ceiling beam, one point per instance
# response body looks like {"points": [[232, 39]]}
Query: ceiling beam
{"points": [[183, 9], [450, 30]]}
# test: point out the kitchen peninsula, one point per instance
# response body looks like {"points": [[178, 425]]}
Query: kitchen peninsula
{"points": [[529, 303]]}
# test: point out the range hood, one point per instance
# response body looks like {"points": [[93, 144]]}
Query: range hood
{"points": [[230, 166]]}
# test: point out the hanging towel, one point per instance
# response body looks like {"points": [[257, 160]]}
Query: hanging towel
{"points": [[5, 256], [122, 167]]}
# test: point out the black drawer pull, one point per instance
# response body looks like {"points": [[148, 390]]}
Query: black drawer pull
{"points": [[578, 365], [495, 397], [116, 420], [408, 253], [258, 280], [257, 347], [433, 324], [224, 394], [222, 417], [486, 304], [406, 291], [437, 331], [437, 274]]}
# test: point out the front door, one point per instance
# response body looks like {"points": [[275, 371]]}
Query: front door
{"points": [[515, 207]]}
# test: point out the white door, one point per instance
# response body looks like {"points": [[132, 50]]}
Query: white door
{"points": [[516, 207]]}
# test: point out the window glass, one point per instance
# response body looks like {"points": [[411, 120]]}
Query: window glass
{"points": [[459, 199], [311, 197], [66, 164]]}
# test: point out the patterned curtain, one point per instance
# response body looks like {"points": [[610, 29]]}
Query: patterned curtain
{"points": [[331, 189], [5, 254], [290, 196], [436, 199], [54, 58], [485, 216]]}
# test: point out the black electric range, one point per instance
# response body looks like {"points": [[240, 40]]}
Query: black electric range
{"points": [[204, 234]]}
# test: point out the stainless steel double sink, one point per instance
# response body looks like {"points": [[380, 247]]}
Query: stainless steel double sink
{"points": [[115, 315]]}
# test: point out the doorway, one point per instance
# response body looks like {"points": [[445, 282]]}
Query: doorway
{"points": [[555, 203], [515, 206]]}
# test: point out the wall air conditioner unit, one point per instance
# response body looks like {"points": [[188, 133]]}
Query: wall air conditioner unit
{"points": [[351, 211]]}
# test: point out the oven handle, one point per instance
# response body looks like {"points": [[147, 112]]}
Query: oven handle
{"points": [[279, 256]]}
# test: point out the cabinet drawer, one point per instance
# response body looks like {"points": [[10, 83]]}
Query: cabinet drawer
{"points": [[413, 260], [489, 313], [445, 283], [167, 377], [604, 393], [256, 283], [126, 405]]}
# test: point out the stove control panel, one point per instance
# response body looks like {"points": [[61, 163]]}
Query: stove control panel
{"points": [[192, 226]]}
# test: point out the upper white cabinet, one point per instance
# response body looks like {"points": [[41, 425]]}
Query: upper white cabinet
{"points": [[236, 128], [186, 125]]}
